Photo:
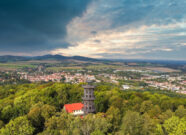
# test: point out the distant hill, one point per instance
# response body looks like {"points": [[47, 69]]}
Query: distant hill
{"points": [[9, 58]]}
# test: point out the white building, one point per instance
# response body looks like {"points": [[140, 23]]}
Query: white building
{"points": [[126, 87]]}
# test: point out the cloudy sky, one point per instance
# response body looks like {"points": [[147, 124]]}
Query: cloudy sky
{"points": [[117, 29]]}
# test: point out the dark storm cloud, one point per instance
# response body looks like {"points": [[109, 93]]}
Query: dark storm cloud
{"points": [[97, 41], [93, 32], [30, 25]]}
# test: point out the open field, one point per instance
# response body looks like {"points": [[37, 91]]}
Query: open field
{"points": [[56, 65], [14, 66], [41, 61], [63, 68], [162, 69], [7, 69]]}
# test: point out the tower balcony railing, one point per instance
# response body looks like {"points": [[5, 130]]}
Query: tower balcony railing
{"points": [[88, 98]]}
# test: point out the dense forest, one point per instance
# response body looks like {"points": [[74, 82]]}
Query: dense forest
{"points": [[28, 109]]}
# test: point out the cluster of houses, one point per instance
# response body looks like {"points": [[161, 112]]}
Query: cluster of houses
{"points": [[165, 85], [78, 77], [57, 77], [38, 78], [150, 79]]}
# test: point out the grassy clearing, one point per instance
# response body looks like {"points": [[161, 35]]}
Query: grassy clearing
{"points": [[63, 68], [162, 69], [15, 65]]}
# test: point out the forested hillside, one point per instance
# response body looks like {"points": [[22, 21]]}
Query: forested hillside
{"points": [[28, 109]]}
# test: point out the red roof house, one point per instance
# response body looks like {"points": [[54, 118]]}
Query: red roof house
{"points": [[75, 108]]}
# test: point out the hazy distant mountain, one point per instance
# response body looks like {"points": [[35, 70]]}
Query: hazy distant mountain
{"points": [[8, 58], [49, 57]]}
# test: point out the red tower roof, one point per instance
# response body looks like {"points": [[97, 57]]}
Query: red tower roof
{"points": [[72, 107]]}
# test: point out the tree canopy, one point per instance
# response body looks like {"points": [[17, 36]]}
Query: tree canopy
{"points": [[27, 109]]}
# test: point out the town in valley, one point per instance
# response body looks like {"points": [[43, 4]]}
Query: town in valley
{"points": [[127, 75]]}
